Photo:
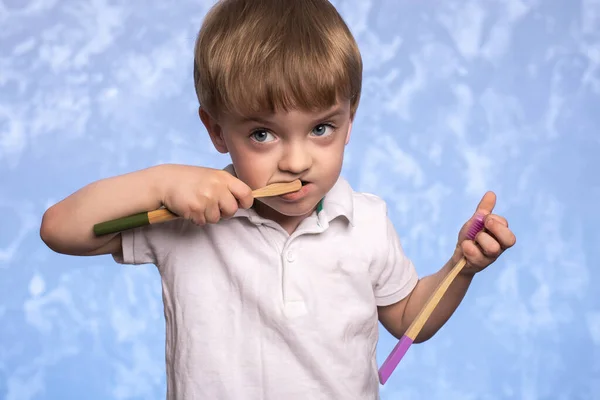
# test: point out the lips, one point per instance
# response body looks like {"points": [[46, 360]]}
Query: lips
{"points": [[297, 195]]}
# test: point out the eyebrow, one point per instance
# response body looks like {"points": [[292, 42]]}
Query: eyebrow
{"points": [[334, 113], [266, 121], [253, 118]]}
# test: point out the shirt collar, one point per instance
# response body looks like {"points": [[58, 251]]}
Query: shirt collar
{"points": [[338, 202]]}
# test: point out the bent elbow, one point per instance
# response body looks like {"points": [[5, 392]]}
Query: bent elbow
{"points": [[45, 228], [421, 339], [48, 229], [424, 336]]}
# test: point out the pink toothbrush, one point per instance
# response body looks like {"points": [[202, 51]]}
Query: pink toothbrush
{"points": [[413, 330]]}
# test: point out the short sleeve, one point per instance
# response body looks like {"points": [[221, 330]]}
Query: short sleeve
{"points": [[395, 276], [135, 248], [148, 244]]}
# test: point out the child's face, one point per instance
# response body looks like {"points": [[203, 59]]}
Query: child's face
{"points": [[284, 146]]}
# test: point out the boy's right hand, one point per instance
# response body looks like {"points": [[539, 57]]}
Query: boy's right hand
{"points": [[203, 195]]}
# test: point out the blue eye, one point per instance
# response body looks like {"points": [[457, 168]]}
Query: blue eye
{"points": [[262, 136], [322, 130]]}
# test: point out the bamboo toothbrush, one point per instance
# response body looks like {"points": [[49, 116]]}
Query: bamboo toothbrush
{"points": [[414, 329], [162, 214]]}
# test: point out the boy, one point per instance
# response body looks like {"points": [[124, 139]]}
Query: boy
{"points": [[278, 298]]}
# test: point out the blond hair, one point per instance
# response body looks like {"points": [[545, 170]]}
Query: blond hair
{"points": [[268, 55]]}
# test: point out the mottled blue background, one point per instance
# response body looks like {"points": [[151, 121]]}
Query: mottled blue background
{"points": [[459, 97]]}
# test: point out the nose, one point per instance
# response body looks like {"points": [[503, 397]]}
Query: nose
{"points": [[296, 158]]}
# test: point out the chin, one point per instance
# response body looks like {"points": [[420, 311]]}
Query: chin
{"points": [[292, 209]]}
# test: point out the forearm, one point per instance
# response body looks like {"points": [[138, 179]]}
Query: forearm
{"points": [[447, 305], [67, 227]]}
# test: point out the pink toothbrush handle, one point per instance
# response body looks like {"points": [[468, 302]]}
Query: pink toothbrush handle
{"points": [[394, 358], [392, 361]]}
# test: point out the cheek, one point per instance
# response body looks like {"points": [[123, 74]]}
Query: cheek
{"points": [[336, 158], [254, 168], [331, 156]]}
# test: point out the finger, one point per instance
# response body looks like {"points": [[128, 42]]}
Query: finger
{"points": [[198, 218], [228, 205], [487, 204], [474, 254], [489, 246], [195, 212], [212, 213], [501, 233], [241, 192], [497, 218]]}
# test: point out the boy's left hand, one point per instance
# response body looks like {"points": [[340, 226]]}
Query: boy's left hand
{"points": [[492, 241]]}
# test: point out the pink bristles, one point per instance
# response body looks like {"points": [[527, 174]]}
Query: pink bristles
{"points": [[476, 227]]}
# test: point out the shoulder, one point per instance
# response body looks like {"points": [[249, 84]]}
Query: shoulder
{"points": [[371, 220], [369, 209], [369, 204], [369, 217]]}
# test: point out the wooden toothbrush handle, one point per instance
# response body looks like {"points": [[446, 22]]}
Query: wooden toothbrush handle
{"points": [[133, 221], [275, 189], [415, 328], [162, 214]]}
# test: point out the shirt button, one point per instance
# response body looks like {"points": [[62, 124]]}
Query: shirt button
{"points": [[290, 256]]}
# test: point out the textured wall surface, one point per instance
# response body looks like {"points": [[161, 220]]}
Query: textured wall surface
{"points": [[459, 97]]}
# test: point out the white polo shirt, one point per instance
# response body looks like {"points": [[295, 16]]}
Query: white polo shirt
{"points": [[254, 313]]}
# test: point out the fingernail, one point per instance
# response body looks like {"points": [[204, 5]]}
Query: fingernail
{"points": [[489, 221]]}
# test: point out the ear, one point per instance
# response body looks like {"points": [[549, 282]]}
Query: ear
{"points": [[349, 131], [214, 130]]}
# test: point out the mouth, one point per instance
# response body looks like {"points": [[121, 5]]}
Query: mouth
{"points": [[293, 196], [304, 184]]}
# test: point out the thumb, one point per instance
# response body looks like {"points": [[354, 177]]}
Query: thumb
{"points": [[485, 207], [487, 204]]}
